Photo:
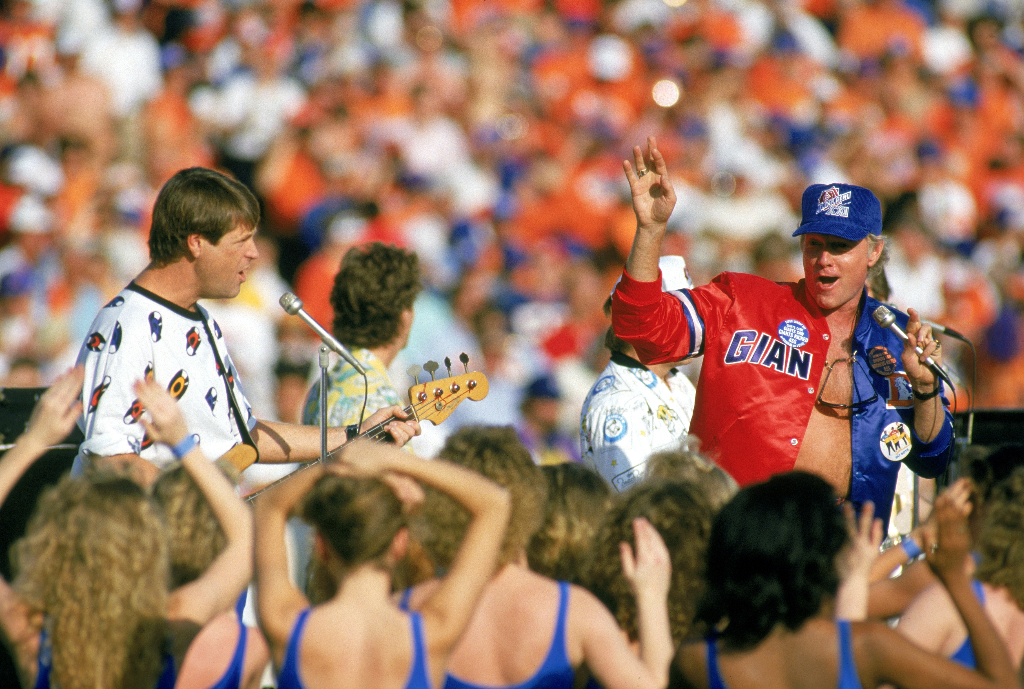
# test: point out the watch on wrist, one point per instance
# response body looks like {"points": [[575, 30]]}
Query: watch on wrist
{"points": [[927, 395]]}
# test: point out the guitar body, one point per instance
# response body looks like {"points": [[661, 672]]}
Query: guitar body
{"points": [[241, 457]]}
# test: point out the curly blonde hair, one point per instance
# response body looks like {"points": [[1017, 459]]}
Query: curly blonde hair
{"points": [[1001, 542], [578, 499], [94, 562], [195, 537], [682, 515], [689, 466], [497, 453]]}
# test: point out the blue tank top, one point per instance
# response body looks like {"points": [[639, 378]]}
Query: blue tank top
{"points": [[232, 677], [965, 654], [419, 677], [848, 678], [556, 671], [167, 679]]}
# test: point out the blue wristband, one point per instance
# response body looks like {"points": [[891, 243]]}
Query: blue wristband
{"points": [[910, 547], [185, 446]]}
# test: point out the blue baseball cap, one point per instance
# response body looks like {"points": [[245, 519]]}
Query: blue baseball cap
{"points": [[842, 210]]}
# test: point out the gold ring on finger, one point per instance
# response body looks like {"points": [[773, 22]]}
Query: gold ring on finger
{"points": [[641, 173]]}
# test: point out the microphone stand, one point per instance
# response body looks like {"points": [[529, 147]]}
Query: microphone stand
{"points": [[325, 356]]}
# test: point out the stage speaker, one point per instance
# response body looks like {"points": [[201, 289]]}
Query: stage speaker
{"points": [[986, 428], [989, 426], [16, 406]]}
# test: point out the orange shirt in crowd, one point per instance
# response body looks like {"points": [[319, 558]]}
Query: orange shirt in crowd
{"points": [[868, 30]]}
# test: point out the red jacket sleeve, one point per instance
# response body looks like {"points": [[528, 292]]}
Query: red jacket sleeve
{"points": [[668, 326]]}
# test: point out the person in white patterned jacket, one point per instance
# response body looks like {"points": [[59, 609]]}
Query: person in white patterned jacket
{"points": [[633, 411]]}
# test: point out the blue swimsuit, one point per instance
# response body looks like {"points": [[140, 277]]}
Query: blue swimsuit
{"points": [[419, 678], [848, 678], [556, 672], [965, 654], [168, 676], [232, 678]]}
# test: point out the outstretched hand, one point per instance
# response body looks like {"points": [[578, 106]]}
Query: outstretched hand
{"points": [[653, 195], [57, 410], [163, 419]]}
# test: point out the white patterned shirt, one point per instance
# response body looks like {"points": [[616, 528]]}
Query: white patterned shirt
{"points": [[630, 414], [139, 334]]}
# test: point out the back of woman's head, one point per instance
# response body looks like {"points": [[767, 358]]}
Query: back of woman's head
{"points": [[692, 467], [1001, 542], [988, 466], [497, 453], [772, 557], [195, 536], [578, 498], [357, 517], [682, 515], [94, 561]]}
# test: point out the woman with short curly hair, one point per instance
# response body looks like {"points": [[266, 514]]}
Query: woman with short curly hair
{"points": [[682, 514]]}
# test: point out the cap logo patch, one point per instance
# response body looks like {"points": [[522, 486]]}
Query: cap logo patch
{"points": [[833, 202]]}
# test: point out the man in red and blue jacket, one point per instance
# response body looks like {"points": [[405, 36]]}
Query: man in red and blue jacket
{"points": [[795, 375]]}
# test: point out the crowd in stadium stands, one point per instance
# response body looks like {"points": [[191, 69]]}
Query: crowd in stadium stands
{"points": [[487, 136]]}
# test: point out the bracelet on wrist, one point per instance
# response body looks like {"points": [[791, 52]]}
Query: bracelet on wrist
{"points": [[184, 446], [910, 547], [924, 396]]}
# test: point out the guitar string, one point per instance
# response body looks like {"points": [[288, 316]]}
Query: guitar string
{"points": [[377, 429]]}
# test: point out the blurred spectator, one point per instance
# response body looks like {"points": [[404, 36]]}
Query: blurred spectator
{"points": [[292, 383], [489, 138], [539, 428], [127, 58]]}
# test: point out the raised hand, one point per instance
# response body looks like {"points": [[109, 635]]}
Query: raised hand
{"points": [[57, 410], [653, 195], [949, 552], [650, 568], [865, 538], [163, 419]]}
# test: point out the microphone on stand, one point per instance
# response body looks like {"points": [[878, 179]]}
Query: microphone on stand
{"points": [[885, 318], [293, 305]]}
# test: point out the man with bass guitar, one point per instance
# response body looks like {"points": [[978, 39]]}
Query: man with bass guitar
{"points": [[201, 245]]}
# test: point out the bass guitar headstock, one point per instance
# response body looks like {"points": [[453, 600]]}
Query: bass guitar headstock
{"points": [[435, 400]]}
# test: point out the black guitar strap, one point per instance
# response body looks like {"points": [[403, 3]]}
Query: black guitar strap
{"points": [[239, 418]]}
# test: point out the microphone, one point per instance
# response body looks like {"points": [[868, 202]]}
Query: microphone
{"points": [[293, 305], [887, 319]]}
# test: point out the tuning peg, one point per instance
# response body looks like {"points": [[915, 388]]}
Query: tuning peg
{"points": [[414, 371], [430, 367], [464, 358], [448, 365]]}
